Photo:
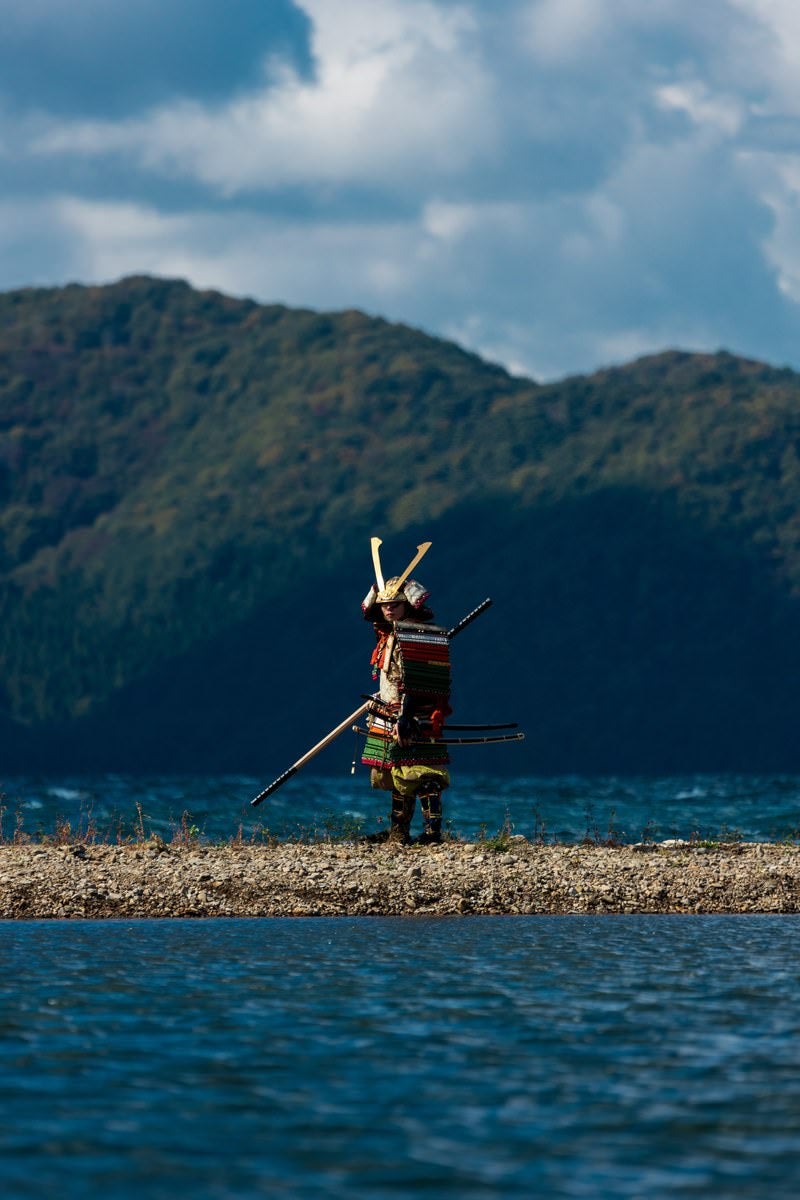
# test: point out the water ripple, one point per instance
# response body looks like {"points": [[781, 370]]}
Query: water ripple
{"points": [[481, 1057]]}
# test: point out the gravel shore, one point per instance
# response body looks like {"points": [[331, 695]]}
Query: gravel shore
{"points": [[156, 879]]}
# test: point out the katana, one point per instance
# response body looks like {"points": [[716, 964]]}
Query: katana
{"points": [[469, 618], [457, 741]]}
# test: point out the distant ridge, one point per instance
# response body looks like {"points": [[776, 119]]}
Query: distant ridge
{"points": [[188, 483]]}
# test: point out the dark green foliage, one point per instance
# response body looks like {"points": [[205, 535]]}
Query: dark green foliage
{"points": [[188, 483]]}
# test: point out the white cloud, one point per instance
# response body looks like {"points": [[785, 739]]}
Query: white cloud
{"points": [[448, 222], [555, 183], [242, 253], [560, 30], [126, 238], [770, 55], [777, 178], [397, 93], [721, 113], [351, 30]]}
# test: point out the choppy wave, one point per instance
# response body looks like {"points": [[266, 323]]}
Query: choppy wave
{"points": [[565, 808]]}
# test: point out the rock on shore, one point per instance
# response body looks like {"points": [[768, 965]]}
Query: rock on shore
{"points": [[155, 879]]}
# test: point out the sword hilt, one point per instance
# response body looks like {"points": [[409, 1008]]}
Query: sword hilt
{"points": [[469, 618]]}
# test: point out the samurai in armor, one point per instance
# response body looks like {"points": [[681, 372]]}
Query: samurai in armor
{"points": [[412, 663]]}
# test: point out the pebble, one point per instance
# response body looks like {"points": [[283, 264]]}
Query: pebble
{"points": [[323, 879]]}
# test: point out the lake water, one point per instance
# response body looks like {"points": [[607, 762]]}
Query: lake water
{"points": [[561, 809], [473, 1057], [390, 1057]]}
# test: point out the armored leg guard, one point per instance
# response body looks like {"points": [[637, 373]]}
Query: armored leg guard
{"points": [[430, 801], [402, 812]]}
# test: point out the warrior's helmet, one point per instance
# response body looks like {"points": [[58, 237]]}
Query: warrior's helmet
{"points": [[399, 587]]}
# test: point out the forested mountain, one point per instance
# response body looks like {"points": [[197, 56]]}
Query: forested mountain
{"points": [[188, 484]]}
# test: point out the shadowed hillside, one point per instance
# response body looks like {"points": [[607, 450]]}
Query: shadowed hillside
{"points": [[188, 484]]}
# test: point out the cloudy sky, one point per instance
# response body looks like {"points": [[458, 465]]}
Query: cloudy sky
{"points": [[556, 184]]}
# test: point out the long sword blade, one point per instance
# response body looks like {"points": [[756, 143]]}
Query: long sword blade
{"points": [[457, 741]]}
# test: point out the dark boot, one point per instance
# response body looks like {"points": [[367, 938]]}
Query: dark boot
{"points": [[430, 801], [402, 812]]}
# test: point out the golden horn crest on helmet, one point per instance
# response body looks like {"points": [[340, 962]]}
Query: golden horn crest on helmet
{"points": [[376, 544], [385, 592]]}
